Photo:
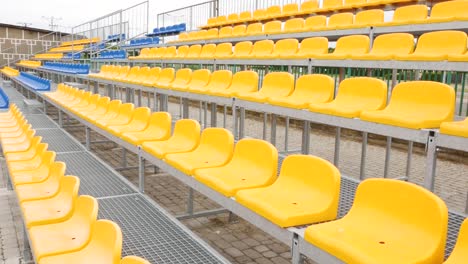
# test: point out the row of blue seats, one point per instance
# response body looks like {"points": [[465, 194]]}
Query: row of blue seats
{"points": [[116, 37], [175, 29], [143, 41], [34, 82], [98, 46], [74, 56], [112, 54], [4, 101], [67, 67]]}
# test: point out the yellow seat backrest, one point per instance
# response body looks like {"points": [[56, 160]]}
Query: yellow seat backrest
{"points": [[144, 52], [211, 33], [353, 2], [133, 72], [272, 27], [182, 51], [217, 139], [211, 21], [294, 24], [332, 3], [316, 45], [263, 47], [354, 44], [106, 242], [86, 209], [460, 252], [244, 81], [153, 52], [368, 93], [254, 28], [259, 14], [394, 44], [200, 78], [317, 88], [308, 6], [223, 49], [442, 42], [239, 30], [152, 75], [277, 84], [170, 52], [183, 76], [134, 260], [141, 115], [114, 106], [246, 15], [411, 12], [166, 75], [314, 22], [183, 36], [273, 11], [458, 8], [289, 9], [243, 48], [232, 18], [221, 19], [369, 17], [194, 51], [208, 50], [225, 32], [202, 34], [434, 99], [220, 80], [186, 130], [286, 46], [160, 52], [341, 19]]}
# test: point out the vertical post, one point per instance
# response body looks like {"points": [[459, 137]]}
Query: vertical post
{"points": [[296, 255], [362, 172], [26, 246], [388, 151], [141, 172], [286, 134], [190, 202], [265, 120], [242, 123], [124, 158], [431, 160], [305, 137], [273, 129], [336, 158], [213, 115], [409, 158], [60, 118], [88, 138]]}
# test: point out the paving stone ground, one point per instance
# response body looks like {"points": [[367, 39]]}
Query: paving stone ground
{"points": [[241, 242]]}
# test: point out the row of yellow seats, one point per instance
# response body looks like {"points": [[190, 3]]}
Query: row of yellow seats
{"points": [[48, 56], [416, 105], [30, 63], [80, 42], [62, 226], [432, 46], [407, 15], [305, 192], [68, 49], [10, 72]]}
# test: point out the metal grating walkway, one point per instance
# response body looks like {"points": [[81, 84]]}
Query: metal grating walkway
{"points": [[59, 141], [151, 233], [40, 121]]}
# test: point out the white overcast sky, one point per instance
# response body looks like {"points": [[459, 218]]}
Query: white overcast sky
{"points": [[72, 13]]}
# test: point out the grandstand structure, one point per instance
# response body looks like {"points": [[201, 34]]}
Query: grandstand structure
{"points": [[225, 97]]}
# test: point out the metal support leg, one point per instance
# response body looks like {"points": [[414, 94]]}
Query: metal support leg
{"points": [[224, 115], [286, 134], [214, 116], [306, 138], [431, 160], [232, 218], [60, 117], [200, 115], [139, 97], [155, 102], [141, 173], [96, 87], [242, 123], [190, 202], [88, 138], [265, 120], [336, 158], [205, 114], [185, 108], [296, 255], [273, 129], [362, 169], [124, 158], [388, 151], [235, 121], [409, 158]]}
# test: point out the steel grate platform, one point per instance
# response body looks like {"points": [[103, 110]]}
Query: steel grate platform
{"points": [[96, 179], [58, 140], [148, 232], [40, 121]]}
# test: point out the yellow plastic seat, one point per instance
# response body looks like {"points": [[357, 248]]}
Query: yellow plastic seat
{"points": [[159, 128], [449, 11], [310, 88], [273, 11], [275, 84], [354, 3], [200, 35], [272, 27], [14, 132], [152, 77], [200, 79], [260, 49], [331, 5], [170, 53], [134, 260], [159, 53], [460, 252], [437, 46], [42, 190], [223, 50], [418, 226], [68, 236], [194, 52], [239, 30], [290, 9], [340, 20], [225, 32], [144, 53], [27, 154], [253, 164], [233, 18], [407, 15], [121, 73], [29, 164], [207, 52], [215, 149], [220, 80], [314, 23], [385, 2], [20, 144], [139, 121], [154, 52], [211, 21], [254, 29], [346, 47], [367, 18], [457, 128], [53, 210], [242, 50], [307, 191], [165, 78], [182, 51], [105, 246], [221, 20], [354, 96], [100, 108], [388, 46], [463, 57], [212, 33], [308, 7], [185, 138], [112, 111], [123, 117], [259, 14], [416, 105], [142, 75], [37, 175], [294, 25], [283, 48], [245, 16], [182, 78], [242, 82]]}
